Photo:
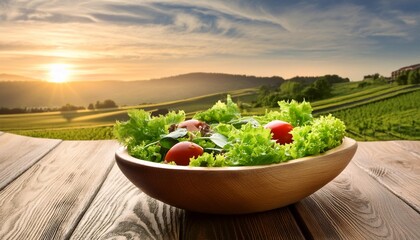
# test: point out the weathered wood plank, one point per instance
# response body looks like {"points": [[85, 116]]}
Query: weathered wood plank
{"points": [[396, 165], [355, 206], [274, 224], [48, 200], [411, 146], [121, 210], [18, 153]]}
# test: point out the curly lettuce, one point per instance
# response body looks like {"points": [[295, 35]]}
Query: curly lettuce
{"points": [[253, 146], [248, 146], [220, 112], [142, 129], [232, 141], [293, 112], [208, 160], [325, 132]]}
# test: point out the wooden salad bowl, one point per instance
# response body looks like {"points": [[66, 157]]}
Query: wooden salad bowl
{"points": [[236, 190]]}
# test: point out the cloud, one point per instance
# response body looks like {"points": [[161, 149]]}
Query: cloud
{"points": [[151, 32]]}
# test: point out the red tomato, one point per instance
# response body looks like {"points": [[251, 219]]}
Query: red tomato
{"points": [[281, 131], [181, 153], [192, 125]]}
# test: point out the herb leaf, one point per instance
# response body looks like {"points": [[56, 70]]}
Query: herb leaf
{"points": [[218, 139], [170, 139], [178, 133]]}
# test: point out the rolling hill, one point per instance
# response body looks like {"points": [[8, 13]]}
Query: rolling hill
{"points": [[12, 77], [46, 94]]}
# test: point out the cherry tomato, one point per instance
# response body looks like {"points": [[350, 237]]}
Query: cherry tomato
{"points": [[281, 131], [181, 153], [192, 125]]}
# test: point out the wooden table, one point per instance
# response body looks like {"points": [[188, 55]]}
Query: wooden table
{"points": [[53, 189]]}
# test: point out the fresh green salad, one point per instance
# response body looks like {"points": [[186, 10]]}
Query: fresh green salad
{"points": [[220, 136]]}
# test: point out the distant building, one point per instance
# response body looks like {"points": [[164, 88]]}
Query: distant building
{"points": [[397, 73]]}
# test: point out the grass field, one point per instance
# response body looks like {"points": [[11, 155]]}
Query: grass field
{"points": [[350, 103], [97, 124], [78, 133]]}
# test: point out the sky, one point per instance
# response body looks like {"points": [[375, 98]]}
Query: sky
{"points": [[138, 40]]}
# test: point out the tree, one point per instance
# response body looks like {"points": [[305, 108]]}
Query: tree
{"points": [[70, 107], [106, 104], [323, 87], [363, 84], [109, 104], [413, 77], [320, 89], [310, 93], [291, 90], [335, 79], [402, 79], [264, 90], [299, 88], [91, 107]]}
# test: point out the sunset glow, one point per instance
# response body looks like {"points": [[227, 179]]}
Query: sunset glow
{"points": [[126, 40], [59, 73]]}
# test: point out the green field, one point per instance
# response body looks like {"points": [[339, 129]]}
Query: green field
{"points": [[97, 124], [376, 112], [389, 119], [78, 133], [362, 97]]}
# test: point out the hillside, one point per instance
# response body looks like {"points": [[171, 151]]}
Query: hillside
{"points": [[358, 107], [46, 94], [12, 77]]}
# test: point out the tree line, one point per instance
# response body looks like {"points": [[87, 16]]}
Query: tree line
{"points": [[409, 77], [298, 88], [108, 103]]}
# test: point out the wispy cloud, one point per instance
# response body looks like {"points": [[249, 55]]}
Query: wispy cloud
{"points": [[141, 37]]}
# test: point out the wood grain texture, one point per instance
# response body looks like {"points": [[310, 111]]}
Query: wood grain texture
{"points": [[412, 146], [355, 206], [18, 153], [396, 165], [274, 224], [48, 200], [122, 211]]}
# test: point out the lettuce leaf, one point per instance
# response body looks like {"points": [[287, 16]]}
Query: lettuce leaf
{"points": [[326, 132], [293, 112], [142, 129], [220, 112], [253, 146], [238, 141], [208, 160]]}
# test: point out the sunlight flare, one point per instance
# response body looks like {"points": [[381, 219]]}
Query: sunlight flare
{"points": [[59, 72]]}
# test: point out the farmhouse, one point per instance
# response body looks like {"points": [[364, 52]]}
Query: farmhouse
{"points": [[397, 73]]}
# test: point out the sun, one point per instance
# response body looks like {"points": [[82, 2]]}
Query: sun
{"points": [[59, 72]]}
